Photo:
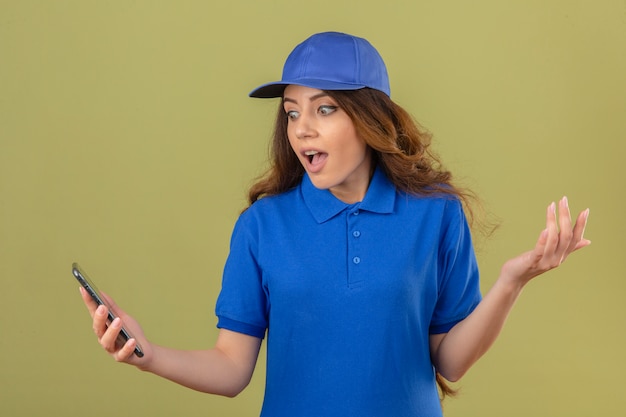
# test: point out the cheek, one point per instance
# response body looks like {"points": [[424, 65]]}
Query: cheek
{"points": [[358, 153], [354, 145], [292, 141], [293, 149], [290, 135]]}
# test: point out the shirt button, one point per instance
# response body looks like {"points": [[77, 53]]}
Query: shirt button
{"points": [[356, 213], [356, 260], [356, 233]]}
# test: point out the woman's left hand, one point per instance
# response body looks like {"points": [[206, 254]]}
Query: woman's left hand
{"points": [[556, 242], [453, 353]]}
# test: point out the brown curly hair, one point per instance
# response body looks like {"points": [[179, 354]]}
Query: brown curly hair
{"points": [[401, 147]]}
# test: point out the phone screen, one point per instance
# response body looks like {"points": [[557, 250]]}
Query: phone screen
{"points": [[90, 287]]}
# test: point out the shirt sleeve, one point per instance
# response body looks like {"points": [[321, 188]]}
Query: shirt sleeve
{"points": [[242, 305], [458, 277]]}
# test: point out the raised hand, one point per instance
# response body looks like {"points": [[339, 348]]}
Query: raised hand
{"points": [[556, 242]]}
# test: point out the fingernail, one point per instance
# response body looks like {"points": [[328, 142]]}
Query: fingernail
{"points": [[565, 201], [116, 322], [100, 310]]}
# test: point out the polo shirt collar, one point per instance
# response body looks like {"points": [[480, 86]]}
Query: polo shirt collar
{"points": [[379, 198]]}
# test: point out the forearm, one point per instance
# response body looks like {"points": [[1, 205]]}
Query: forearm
{"points": [[466, 342], [224, 370], [207, 371], [455, 352]]}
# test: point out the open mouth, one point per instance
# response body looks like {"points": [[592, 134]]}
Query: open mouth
{"points": [[311, 155], [315, 156]]}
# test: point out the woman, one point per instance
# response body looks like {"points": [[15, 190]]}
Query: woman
{"points": [[354, 258]]}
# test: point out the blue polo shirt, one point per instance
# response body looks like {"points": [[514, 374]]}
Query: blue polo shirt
{"points": [[348, 295]]}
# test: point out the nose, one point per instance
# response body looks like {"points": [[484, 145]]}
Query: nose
{"points": [[305, 127]]}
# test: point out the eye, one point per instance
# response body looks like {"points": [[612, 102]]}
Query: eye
{"points": [[326, 110], [292, 114]]}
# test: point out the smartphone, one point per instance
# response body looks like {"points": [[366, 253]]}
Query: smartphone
{"points": [[95, 295]]}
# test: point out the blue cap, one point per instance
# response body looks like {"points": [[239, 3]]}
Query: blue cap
{"points": [[330, 61]]}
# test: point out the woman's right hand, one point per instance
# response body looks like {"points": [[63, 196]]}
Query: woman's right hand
{"points": [[108, 335], [225, 369]]}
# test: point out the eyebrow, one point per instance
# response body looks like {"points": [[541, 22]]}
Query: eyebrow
{"points": [[312, 98]]}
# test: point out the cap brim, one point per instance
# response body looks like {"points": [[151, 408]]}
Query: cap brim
{"points": [[276, 89]]}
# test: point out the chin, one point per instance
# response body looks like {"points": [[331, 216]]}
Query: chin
{"points": [[321, 183]]}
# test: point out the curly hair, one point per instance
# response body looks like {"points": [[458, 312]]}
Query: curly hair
{"points": [[401, 147]]}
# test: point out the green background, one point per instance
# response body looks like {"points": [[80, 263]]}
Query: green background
{"points": [[127, 143]]}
